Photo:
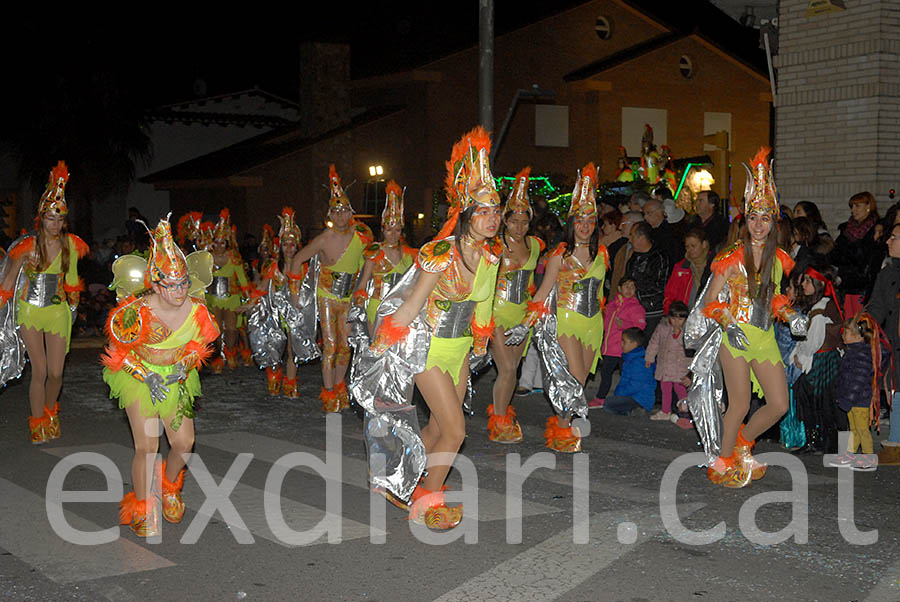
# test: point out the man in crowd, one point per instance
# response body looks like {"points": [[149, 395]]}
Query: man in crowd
{"points": [[663, 234], [649, 268], [710, 219]]}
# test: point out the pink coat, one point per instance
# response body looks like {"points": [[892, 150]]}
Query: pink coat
{"points": [[630, 312], [668, 351]]}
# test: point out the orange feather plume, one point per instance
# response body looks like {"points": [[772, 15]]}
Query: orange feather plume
{"points": [[332, 173], [525, 173], [60, 171], [589, 171], [761, 157], [477, 139], [394, 187], [225, 214], [287, 211]]}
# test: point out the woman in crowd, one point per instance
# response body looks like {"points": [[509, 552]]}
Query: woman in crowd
{"points": [[753, 269], [515, 285], [822, 243], [50, 287], [854, 250], [157, 342]]}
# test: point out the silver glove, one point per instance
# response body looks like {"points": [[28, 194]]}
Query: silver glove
{"points": [[156, 383], [516, 335], [799, 323], [736, 337], [178, 375]]}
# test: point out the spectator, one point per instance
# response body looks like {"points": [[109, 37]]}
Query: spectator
{"points": [[622, 313], [691, 274], [649, 269], [823, 243], [548, 229], [623, 254], [636, 391], [663, 234], [855, 249], [613, 239], [802, 239], [135, 230], [709, 217], [666, 348], [638, 200], [884, 305]]}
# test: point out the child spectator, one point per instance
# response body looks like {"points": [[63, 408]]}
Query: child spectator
{"points": [[622, 313], [666, 347], [857, 392], [635, 393]]}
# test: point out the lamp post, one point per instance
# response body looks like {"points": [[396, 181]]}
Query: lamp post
{"points": [[375, 173]]}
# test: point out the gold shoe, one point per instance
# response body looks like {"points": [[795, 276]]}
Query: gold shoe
{"points": [[52, 421], [141, 515], [217, 365], [718, 469], [505, 428], [273, 381], [38, 427], [430, 508], [289, 388], [563, 440], [742, 455], [736, 477], [172, 504], [330, 401]]}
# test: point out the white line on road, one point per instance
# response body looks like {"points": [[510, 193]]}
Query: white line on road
{"points": [[548, 570], [27, 535], [354, 472], [246, 499]]}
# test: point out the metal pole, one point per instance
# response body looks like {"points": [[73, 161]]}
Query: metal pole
{"points": [[486, 64], [769, 60]]}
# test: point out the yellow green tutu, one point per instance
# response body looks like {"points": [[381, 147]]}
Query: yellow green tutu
{"points": [[588, 331], [53, 319], [448, 355], [762, 348], [127, 390], [231, 302]]}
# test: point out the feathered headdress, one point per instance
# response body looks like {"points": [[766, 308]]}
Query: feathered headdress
{"points": [[189, 226], [760, 194], [393, 209], [469, 180], [338, 196], [289, 229], [518, 201], [584, 204], [205, 235], [166, 260], [647, 138], [269, 242], [222, 230], [53, 200]]}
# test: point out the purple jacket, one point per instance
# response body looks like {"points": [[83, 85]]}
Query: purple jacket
{"points": [[668, 351], [630, 311]]}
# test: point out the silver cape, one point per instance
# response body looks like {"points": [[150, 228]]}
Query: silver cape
{"points": [[565, 392], [12, 348], [707, 383], [275, 318]]}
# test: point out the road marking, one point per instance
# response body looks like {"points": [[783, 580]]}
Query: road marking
{"points": [[246, 499], [548, 570], [27, 534], [354, 472]]}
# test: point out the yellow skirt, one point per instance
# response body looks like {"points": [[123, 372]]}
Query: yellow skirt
{"points": [[588, 331], [448, 355], [53, 319], [231, 302], [762, 348]]}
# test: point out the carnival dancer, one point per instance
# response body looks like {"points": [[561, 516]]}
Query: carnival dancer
{"points": [[624, 172], [188, 230], [340, 248], [268, 270], [748, 353], [157, 341], [385, 261], [41, 272], [649, 169], [577, 267], [515, 286], [445, 313], [666, 169], [224, 295]]}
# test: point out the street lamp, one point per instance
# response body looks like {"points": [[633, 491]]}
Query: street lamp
{"points": [[375, 170]]}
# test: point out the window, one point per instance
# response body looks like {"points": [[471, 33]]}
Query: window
{"points": [[686, 67], [603, 28]]}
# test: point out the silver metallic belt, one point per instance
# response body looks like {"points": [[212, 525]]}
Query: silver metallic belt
{"points": [[43, 290], [220, 287], [516, 286], [341, 283], [388, 281], [761, 312], [584, 297], [455, 321]]}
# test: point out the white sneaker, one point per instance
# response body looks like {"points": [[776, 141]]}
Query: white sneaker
{"points": [[662, 416]]}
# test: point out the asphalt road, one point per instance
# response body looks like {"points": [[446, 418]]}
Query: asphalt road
{"points": [[601, 525]]}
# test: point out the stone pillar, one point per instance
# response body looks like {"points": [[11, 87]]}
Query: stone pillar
{"points": [[837, 115], [324, 87]]}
